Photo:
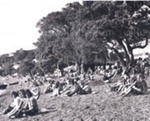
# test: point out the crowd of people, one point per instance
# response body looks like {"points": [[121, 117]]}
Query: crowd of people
{"points": [[73, 83], [25, 100], [132, 82]]}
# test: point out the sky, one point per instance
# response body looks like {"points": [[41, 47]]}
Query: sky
{"points": [[18, 20]]}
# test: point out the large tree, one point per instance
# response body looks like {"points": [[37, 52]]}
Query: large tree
{"points": [[121, 27], [56, 35], [79, 31]]}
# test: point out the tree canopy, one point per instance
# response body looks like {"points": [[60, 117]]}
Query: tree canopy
{"points": [[79, 33]]}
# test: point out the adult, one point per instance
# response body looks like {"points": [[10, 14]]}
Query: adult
{"points": [[136, 86], [56, 88], [32, 106], [13, 109]]}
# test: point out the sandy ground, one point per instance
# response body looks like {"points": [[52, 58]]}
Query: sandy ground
{"points": [[103, 105]]}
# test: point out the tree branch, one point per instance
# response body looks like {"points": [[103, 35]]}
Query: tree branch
{"points": [[141, 46], [117, 53]]}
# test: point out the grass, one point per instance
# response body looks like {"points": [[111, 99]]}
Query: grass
{"points": [[101, 106]]}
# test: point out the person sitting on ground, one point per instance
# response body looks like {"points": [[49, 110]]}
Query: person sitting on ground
{"points": [[127, 83], [140, 86], [22, 95], [32, 81], [35, 90], [75, 88], [57, 87], [108, 75], [137, 86], [114, 71], [87, 89], [138, 65], [120, 84], [49, 88], [145, 68], [13, 108], [32, 106], [66, 87]]}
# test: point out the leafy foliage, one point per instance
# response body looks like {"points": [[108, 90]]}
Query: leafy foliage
{"points": [[7, 69], [26, 68], [79, 33]]}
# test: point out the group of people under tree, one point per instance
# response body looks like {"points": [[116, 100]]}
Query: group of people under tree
{"points": [[132, 81], [73, 83]]}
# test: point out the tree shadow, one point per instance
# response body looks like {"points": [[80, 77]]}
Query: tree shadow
{"points": [[41, 112], [44, 111]]}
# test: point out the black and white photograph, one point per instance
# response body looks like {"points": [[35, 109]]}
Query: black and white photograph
{"points": [[74, 60]]}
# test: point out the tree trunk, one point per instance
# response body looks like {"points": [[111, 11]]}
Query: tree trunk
{"points": [[129, 56], [62, 72], [79, 68]]}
